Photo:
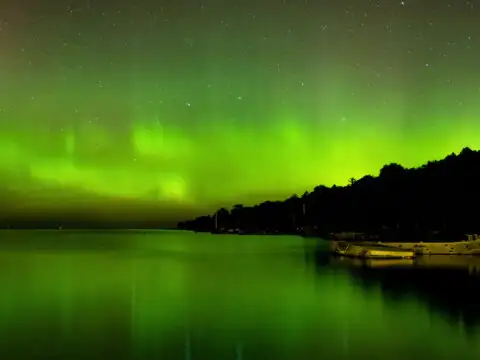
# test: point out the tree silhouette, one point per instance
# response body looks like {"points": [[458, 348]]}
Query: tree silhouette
{"points": [[435, 198]]}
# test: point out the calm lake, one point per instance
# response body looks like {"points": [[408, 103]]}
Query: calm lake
{"points": [[178, 295]]}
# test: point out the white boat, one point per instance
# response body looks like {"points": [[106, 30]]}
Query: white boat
{"points": [[370, 251]]}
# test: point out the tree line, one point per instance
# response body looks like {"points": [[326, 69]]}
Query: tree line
{"points": [[438, 198]]}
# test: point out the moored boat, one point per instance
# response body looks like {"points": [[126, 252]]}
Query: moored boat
{"points": [[369, 251]]}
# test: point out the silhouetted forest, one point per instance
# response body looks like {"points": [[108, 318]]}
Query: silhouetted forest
{"points": [[436, 200]]}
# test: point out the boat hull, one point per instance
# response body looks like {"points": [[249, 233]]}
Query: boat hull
{"points": [[369, 251]]}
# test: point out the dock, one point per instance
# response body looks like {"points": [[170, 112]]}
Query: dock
{"points": [[467, 247], [362, 242]]}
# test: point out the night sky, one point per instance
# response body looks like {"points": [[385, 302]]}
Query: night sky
{"points": [[154, 108]]}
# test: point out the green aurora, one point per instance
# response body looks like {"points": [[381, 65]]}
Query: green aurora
{"points": [[101, 118], [223, 163]]}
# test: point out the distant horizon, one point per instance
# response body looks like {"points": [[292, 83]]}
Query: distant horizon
{"points": [[110, 213], [150, 216], [93, 229]]}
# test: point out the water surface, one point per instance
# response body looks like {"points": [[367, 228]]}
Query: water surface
{"points": [[179, 295]]}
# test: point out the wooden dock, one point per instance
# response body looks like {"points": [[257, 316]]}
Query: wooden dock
{"points": [[467, 247]]}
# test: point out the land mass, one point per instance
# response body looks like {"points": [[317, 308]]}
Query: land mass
{"points": [[436, 201]]}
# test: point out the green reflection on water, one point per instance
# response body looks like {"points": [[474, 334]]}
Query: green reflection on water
{"points": [[176, 295]]}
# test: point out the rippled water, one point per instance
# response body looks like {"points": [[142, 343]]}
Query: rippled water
{"points": [[178, 295]]}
